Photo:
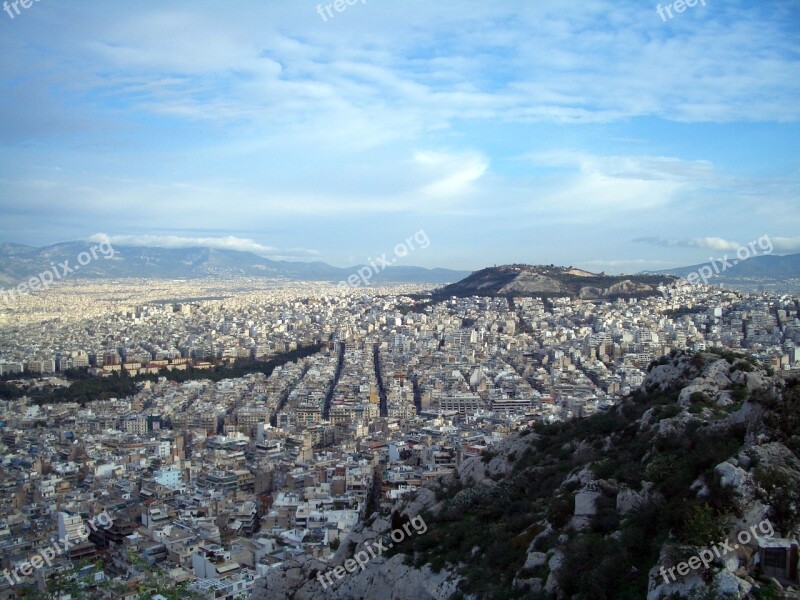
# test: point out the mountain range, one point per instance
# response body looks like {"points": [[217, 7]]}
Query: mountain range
{"points": [[766, 268], [19, 262]]}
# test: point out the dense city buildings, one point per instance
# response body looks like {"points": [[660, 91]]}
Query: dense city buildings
{"points": [[212, 481]]}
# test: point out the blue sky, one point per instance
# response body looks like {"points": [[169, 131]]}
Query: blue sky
{"points": [[591, 133]]}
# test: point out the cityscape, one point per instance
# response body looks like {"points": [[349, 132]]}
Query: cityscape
{"points": [[361, 300], [223, 478]]}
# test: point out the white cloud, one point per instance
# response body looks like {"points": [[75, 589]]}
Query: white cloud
{"points": [[216, 243], [718, 244], [453, 174], [713, 243], [624, 183], [645, 168], [786, 244]]}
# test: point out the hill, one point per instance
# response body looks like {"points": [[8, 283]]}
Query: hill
{"points": [[768, 271], [551, 281]]}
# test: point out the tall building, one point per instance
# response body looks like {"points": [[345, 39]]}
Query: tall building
{"points": [[71, 527]]}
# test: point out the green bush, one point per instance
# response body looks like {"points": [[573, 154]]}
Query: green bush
{"points": [[739, 392], [594, 568], [780, 489], [667, 411], [704, 526], [560, 510], [658, 468], [767, 592]]}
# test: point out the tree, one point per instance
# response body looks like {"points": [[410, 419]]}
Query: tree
{"points": [[780, 489]]}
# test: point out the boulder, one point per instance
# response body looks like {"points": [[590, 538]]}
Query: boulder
{"points": [[551, 586], [731, 476], [585, 503], [730, 586], [535, 559], [628, 500]]}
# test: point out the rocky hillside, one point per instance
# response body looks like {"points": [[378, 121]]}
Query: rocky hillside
{"points": [[551, 281], [593, 509]]}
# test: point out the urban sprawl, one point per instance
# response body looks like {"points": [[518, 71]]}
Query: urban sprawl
{"points": [[213, 481]]}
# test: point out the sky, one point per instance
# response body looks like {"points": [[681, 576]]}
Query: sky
{"points": [[616, 136]]}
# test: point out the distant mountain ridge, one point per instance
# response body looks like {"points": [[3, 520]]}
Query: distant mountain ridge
{"points": [[768, 266], [552, 281], [18, 262]]}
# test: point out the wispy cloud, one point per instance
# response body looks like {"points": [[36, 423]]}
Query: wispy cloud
{"points": [[623, 183], [216, 243], [453, 174], [780, 244], [786, 244], [713, 243]]}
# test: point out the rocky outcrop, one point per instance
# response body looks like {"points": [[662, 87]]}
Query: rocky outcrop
{"points": [[476, 470], [381, 579]]}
